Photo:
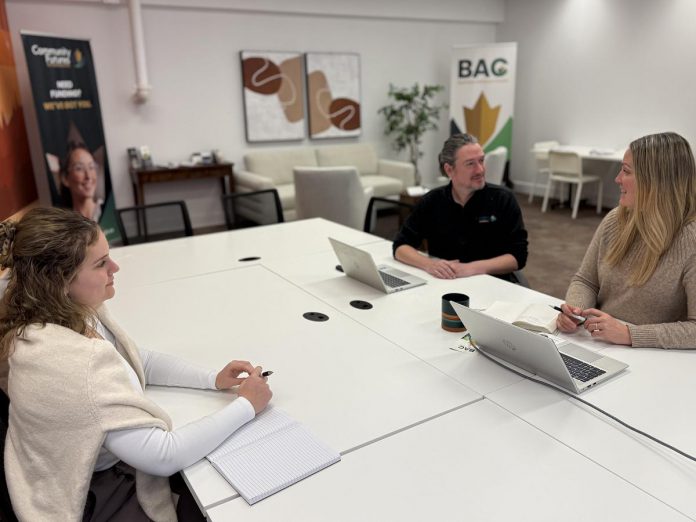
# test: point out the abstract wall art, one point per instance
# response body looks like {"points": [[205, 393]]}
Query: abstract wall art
{"points": [[273, 95], [333, 94]]}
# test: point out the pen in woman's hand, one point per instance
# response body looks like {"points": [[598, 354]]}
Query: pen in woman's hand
{"points": [[267, 373], [576, 317]]}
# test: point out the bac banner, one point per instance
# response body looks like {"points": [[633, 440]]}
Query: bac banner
{"points": [[482, 92], [64, 85]]}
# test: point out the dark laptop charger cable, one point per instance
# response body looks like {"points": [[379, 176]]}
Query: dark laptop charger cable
{"points": [[600, 410]]}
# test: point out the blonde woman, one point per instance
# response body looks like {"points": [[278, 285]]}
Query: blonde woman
{"points": [[640, 267], [84, 442]]}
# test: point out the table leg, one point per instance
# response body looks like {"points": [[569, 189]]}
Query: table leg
{"points": [[141, 194]]}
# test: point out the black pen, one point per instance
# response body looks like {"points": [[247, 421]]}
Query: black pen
{"points": [[577, 317], [267, 373]]}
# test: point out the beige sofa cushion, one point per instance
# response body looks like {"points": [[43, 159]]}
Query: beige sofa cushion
{"points": [[383, 186], [277, 164], [286, 193], [359, 155]]}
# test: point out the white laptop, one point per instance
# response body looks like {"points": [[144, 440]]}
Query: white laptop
{"points": [[563, 363], [359, 265]]}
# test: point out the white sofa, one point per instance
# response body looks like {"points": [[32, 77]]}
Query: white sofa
{"points": [[273, 168]]}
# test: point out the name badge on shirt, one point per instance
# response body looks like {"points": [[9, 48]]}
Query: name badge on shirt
{"points": [[487, 219]]}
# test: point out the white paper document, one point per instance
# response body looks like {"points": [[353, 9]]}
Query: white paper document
{"points": [[416, 190], [270, 453]]}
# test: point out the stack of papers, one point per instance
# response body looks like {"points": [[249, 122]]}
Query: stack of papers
{"points": [[416, 190]]}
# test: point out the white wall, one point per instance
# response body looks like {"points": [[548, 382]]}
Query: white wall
{"points": [[600, 73], [192, 52]]}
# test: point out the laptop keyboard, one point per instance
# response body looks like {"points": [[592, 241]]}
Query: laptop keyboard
{"points": [[581, 370], [392, 281]]}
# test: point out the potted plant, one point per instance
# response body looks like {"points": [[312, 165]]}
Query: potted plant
{"points": [[412, 113]]}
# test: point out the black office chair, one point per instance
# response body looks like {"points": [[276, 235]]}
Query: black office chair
{"points": [[384, 216], [155, 222], [6, 511], [251, 209]]}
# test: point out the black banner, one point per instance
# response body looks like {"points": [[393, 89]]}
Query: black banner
{"points": [[64, 85]]}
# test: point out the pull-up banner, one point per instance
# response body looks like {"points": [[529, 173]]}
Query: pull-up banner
{"points": [[64, 86], [482, 92]]}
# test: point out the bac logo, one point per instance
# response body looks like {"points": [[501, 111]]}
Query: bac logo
{"points": [[497, 67]]}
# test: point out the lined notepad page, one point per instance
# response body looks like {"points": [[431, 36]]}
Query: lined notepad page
{"points": [[270, 453]]}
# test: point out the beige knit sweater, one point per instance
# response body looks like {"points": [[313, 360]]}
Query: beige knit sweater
{"points": [[663, 310], [67, 391]]}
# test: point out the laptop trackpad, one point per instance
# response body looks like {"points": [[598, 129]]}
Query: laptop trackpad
{"points": [[580, 353]]}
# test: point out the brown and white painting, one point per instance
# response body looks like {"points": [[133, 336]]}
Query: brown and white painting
{"points": [[333, 94], [273, 99]]}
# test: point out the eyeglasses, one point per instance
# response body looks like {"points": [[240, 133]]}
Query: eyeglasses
{"points": [[83, 167]]}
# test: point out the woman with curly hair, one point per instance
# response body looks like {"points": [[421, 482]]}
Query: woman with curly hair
{"points": [[84, 442]]}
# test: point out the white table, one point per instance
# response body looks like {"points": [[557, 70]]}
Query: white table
{"points": [[150, 263], [411, 318], [594, 153], [477, 463], [383, 385], [655, 395], [348, 384]]}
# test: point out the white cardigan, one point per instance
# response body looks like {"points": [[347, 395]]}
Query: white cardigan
{"points": [[67, 391]]}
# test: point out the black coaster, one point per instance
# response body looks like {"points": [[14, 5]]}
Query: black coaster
{"points": [[250, 258], [315, 316], [361, 305]]}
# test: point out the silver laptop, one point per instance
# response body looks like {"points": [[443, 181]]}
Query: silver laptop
{"points": [[566, 364], [359, 265]]}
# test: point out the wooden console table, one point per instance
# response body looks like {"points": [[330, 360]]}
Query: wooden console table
{"points": [[161, 174]]}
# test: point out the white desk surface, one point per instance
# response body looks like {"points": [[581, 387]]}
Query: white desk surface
{"points": [[476, 463], [653, 395], [411, 318], [173, 259], [348, 384], [594, 153], [254, 312]]}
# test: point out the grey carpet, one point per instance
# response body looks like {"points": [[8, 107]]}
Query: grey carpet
{"points": [[557, 244]]}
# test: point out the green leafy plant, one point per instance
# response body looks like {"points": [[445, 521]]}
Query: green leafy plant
{"points": [[412, 113]]}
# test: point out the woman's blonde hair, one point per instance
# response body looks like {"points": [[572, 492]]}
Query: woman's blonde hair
{"points": [[665, 201], [43, 251]]}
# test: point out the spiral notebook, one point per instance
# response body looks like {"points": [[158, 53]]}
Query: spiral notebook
{"points": [[270, 453]]}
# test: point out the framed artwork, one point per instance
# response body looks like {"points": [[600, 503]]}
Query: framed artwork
{"points": [[333, 94], [273, 101]]}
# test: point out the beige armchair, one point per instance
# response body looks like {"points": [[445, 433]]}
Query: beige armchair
{"points": [[333, 193]]}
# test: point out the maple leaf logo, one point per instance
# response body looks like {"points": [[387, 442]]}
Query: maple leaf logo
{"points": [[481, 119]]}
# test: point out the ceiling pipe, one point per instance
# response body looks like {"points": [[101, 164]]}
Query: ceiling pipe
{"points": [[142, 86]]}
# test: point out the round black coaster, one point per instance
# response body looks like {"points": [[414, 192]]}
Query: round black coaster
{"points": [[315, 316], [250, 258], [361, 305]]}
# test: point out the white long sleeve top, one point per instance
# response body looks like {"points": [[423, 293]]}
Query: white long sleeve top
{"points": [[160, 452]]}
